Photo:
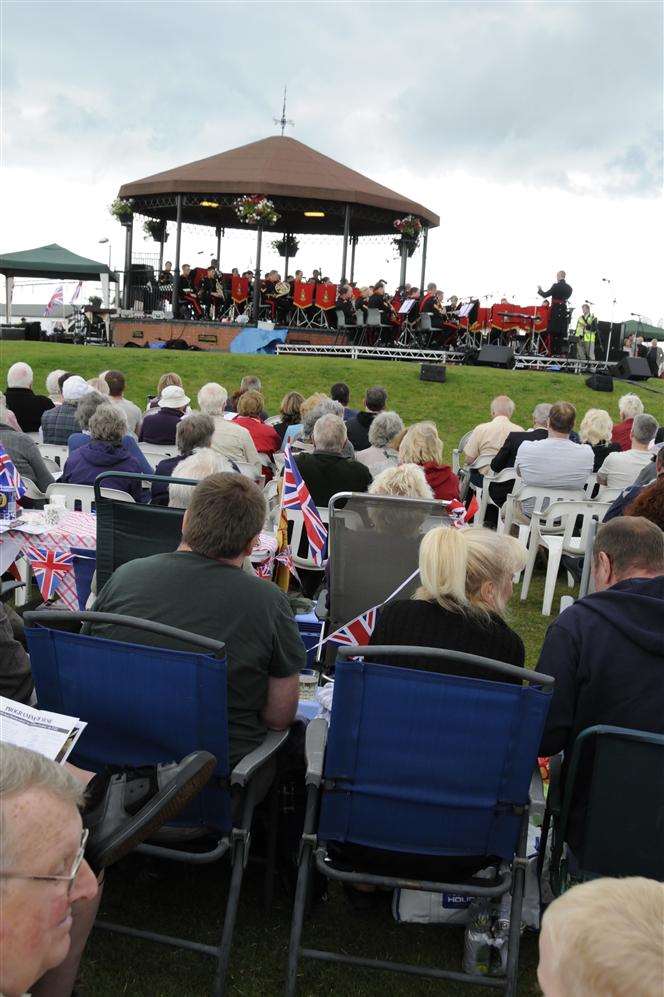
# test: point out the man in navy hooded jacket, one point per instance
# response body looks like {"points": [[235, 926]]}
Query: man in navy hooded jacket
{"points": [[606, 652]]}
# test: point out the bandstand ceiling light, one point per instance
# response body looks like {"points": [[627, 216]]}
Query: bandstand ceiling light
{"points": [[209, 204], [314, 214]]}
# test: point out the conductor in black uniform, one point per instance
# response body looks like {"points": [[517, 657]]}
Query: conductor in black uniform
{"points": [[560, 293]]}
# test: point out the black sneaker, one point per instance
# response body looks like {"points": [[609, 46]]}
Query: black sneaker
{"points": [[124, 806]]}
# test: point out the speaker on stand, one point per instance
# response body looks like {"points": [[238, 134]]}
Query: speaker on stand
{"points": [[495, 356]]}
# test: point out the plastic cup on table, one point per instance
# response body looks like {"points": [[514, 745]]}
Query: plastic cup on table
{"points": [[308, 683]]}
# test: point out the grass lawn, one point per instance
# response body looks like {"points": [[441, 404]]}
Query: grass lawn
{"points": [[190, 901]]}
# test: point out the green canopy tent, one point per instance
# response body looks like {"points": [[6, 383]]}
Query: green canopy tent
{"points": [[51, 261]]}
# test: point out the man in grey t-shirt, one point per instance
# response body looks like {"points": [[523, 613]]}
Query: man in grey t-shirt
{"points": [[116, 385], [555, 462], [201, 587]]}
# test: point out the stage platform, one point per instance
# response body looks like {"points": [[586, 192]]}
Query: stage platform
{"points": [[216, 336]]}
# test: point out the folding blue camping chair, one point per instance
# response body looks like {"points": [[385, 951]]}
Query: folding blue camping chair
{"points": [[144, 705], [422, 764]]}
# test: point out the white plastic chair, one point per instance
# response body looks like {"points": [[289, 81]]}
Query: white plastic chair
{"points": [[607, 494], [54, 453], [295, 517], [85, 494], [31, 490], [249, 471], [566, 515], [511, 514], [482, 494], [153, 453], [458, 450]]}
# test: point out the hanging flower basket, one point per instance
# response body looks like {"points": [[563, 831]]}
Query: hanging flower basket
{"points": [[95, 301], [286, 246], [255, 209], [155, 228], [409, 229], [410, 245], [122, 210]]}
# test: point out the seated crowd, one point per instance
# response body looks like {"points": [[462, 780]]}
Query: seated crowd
{"points": [[606, 651]]}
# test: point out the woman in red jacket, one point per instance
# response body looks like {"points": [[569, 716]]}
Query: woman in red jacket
{"points": [[422, 445], [249, 408]]}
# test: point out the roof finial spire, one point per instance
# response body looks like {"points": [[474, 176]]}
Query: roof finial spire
{"points": [[283, 120]]}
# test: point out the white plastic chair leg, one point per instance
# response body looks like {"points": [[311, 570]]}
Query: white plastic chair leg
{"points": [[555, 552], [25, 574], [524, 533], [571, 580], [528, 571]]}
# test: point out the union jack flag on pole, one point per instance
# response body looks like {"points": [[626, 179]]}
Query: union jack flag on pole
{"points": [[295, 495], [9, 475], [49, 566], [56, 299], [77, 291]]}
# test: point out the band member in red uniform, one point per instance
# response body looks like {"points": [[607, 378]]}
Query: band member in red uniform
{"points": [[187, 293], [560, 293]]}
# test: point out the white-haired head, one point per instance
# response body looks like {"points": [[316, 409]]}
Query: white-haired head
{"points": [[630, 406], [212, 398], [200, 465], [53, 387], [19, 375], [329, 433]]}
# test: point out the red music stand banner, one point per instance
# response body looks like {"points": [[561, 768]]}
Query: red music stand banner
{"points": [[326, 296], [239, 289], [303, 294]]}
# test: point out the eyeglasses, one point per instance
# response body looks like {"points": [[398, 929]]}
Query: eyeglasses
{"points": [[70, 879]]}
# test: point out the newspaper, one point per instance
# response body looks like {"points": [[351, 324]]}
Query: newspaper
{"points": [[51, 734]]}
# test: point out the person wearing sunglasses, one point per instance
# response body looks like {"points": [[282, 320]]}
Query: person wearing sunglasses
{"points": [[59, 828]]}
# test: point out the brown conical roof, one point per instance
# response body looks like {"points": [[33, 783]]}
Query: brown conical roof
{"points": [[278, 166]]}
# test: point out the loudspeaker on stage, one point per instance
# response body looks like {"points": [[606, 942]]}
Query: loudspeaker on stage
{"points": [[633, 369], [495, 356]]}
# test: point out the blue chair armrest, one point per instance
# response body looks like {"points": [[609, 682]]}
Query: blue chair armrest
{"points": [[316, 741], [250, 764]]}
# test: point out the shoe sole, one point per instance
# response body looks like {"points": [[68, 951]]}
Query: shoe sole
{"points": [[164, 806]]}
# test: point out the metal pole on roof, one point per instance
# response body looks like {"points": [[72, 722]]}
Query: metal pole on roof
{"points": [[255, 305], [344, 254], [353, 244], [176, 262], [425, 240], [129, 232]]}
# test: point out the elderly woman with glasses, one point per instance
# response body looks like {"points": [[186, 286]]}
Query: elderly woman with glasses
{"points": [[105, 452]]}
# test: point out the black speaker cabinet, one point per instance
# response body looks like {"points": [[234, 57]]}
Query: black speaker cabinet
{"points": [[432, 372], [14, 332], [495, 356], [600, 382], [633, 369]]}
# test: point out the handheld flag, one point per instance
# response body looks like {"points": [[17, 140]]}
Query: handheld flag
{"points": [[56, 299], [77, 291], [295, 495], [9, 475], [49, 566]]}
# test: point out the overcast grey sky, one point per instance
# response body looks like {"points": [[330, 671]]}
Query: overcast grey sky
{"points": [[533, 129]]}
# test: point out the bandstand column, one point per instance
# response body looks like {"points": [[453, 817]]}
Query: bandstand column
{"points": [[218, 232], [255, 305], [176, 261], [344, 254], [404, 260], [353, 244], [286, 256], [129, 232], [425, 240], [161, 248]]}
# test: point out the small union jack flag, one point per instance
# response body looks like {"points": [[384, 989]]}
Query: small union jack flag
{"points": [[459, 514], [264, 568], [77, 291], [49, 567], [358, 631], [285, 556], [295, 495], [9, 476], [56, 299]]}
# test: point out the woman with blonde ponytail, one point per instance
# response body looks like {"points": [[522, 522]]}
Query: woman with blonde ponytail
{"points": [[466, 583]]}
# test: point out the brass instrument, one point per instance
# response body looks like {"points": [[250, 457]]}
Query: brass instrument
{"points": [[282, 288]]}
